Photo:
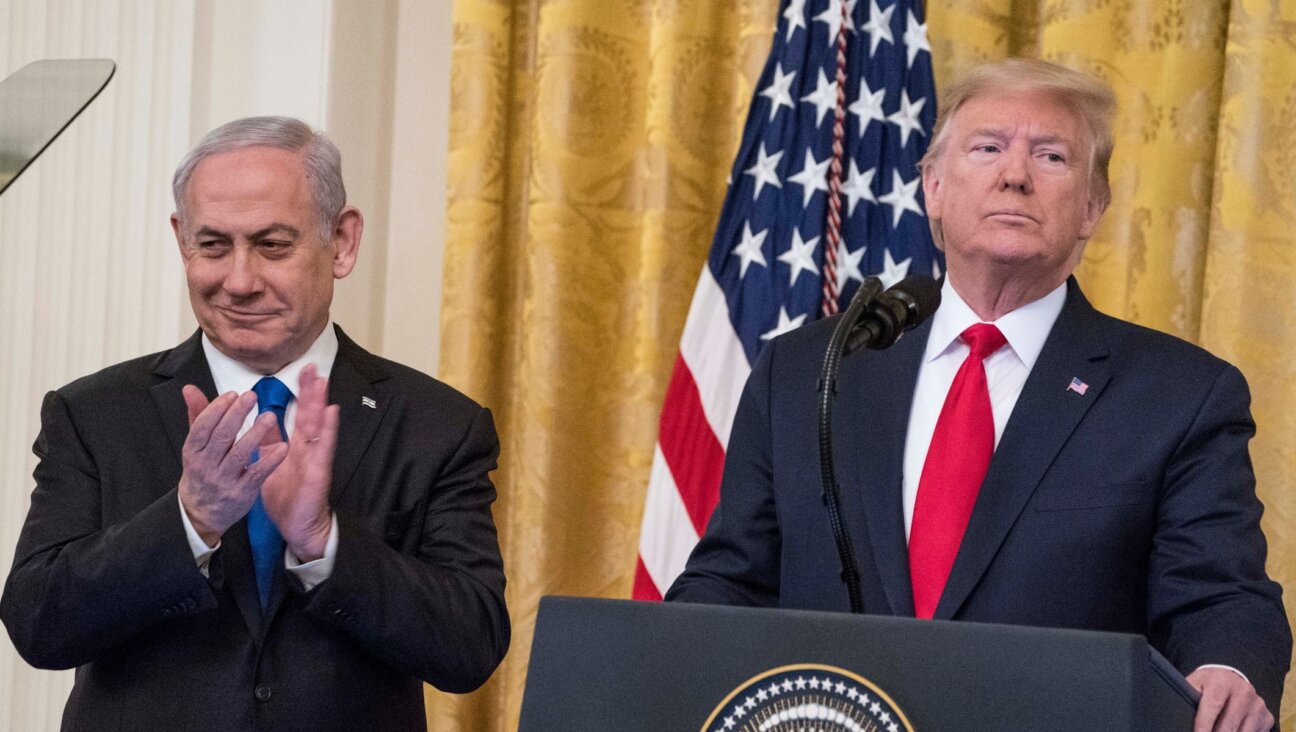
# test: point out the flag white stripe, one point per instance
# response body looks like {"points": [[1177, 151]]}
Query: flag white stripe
{"points": [[714, 355], [667, 536]]}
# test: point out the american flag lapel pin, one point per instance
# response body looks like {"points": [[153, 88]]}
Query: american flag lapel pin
{"points": [[369, 402], [1078, 386]]}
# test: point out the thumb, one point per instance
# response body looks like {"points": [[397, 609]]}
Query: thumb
{"points": [[195, 401], [272, 436]]}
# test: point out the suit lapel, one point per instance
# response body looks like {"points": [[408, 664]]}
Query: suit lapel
{"points": [[355, 385], [875, 395], [1045, 416], [186, 364]]}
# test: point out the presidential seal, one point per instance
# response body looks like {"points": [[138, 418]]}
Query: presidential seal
{"points": [[807, 697]]}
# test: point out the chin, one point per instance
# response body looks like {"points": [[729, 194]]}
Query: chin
{"points": [[252, 352], [1009, 250]]}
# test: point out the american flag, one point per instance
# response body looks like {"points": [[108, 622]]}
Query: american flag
{"points": [[765, 273]]}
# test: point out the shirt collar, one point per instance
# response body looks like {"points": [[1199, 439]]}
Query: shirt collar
{"points": [[231, 375], [1025, 328]]}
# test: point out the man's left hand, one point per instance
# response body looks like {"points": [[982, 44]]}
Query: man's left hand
{"points": [[1228, 703], [296, 493]]}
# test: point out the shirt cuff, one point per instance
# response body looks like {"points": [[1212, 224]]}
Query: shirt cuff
{"points": [[201, 552], [1228, 668], [313, 573]]}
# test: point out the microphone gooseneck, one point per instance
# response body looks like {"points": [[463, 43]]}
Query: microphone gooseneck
{"points": [[874, 318]]}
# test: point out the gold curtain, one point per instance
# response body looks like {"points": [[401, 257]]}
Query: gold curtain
{"points": [[590, 144]]}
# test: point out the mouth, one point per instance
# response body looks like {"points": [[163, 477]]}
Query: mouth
{"points": [[246, 316], [1011, 216]]}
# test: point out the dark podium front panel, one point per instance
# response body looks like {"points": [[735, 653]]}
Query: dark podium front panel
{"points": [[622, 665]]}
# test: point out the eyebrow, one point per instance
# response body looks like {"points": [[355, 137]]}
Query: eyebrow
{"points": [[275, 228], [1001, 134]]}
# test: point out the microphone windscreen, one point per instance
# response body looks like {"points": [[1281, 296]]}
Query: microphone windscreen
{"points": [[923, 295]]}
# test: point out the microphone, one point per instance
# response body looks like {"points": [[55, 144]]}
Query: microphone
{"points": [[892, 313], [875, 319]]}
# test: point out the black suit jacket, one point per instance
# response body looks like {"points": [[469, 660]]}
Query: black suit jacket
{"points": [[104, 580], [1129, 508]]}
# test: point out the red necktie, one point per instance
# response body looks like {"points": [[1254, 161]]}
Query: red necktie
{"points": [[956, 465]]}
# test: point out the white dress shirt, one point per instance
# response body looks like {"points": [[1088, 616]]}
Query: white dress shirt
{"points": [[230, 375], [1025, 329]]}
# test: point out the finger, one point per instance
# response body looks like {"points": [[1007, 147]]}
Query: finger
{"points": [[317, 452], [1258, 719], [307, 376], [326, 438], [268, 459], [1230, 718], [231, 422], [240, 453], [310, 409], [195, 401], [272, 437], [1208, 709], [200, 430]]}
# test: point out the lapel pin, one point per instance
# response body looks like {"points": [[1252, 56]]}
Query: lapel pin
{"points": [[368, 402], [1078, 386]]}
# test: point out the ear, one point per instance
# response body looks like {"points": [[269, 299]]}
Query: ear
{"points": [[180, 239], [933, 198], [933, 191], [346, 241], [1094, 209]]}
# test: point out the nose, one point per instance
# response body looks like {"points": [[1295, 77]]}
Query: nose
{"points": [[1015, 175], [244, 277]]}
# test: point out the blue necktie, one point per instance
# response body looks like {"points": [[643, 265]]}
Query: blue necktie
{"points": [[267, 544]]}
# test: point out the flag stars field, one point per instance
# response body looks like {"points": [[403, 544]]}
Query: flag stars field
{"points": [[749, 249], [779, 92], [868, 107], [800, 256], [915, 39], [765, 170], [906, 117], [813, 177], [902, 197], [824, 97], [858, 187], [832, 17], [878, 26]]}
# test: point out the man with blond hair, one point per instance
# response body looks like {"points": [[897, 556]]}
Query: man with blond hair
{"points": [[306, 564], [1021, 458]]}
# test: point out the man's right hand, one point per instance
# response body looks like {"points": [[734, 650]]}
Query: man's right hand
{"points": [[220, 483]]}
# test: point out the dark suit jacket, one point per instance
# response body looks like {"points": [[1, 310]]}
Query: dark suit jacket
{"points": [[104, 580], [1130, 508]]}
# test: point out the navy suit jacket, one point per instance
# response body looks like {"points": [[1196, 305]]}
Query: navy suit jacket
{"points": [[1129, 508], [104, 579]]}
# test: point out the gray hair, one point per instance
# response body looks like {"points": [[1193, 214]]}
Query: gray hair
{"points": [[320, 156], [1089, 97]]}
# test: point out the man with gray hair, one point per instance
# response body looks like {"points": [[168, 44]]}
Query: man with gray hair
{"points": [[301, 565], [1020, 458]]}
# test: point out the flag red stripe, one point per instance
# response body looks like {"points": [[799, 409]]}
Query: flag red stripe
{"points": [[644, 587], [691, 449]]}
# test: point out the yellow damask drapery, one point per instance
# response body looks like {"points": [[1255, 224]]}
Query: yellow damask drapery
{"points": [[590, 144]]}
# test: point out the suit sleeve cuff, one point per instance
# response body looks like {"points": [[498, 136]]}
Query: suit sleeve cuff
{"points": [[1227, 668], [311, 574], [201, 552]]}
